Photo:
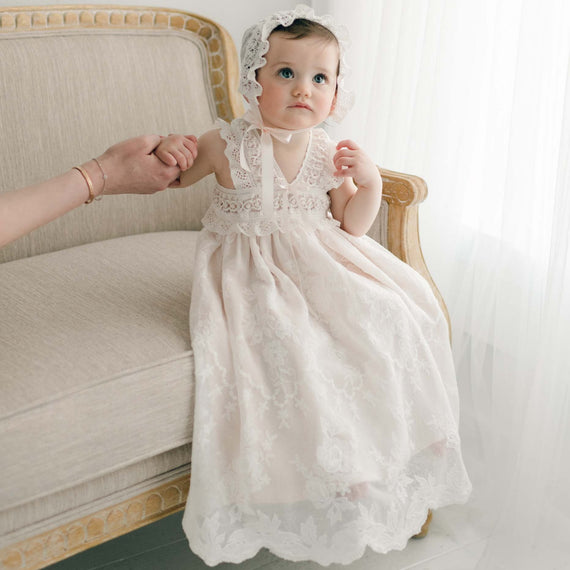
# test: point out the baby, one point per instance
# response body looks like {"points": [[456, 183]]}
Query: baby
{"points": [[299, 92], [326, 407]]}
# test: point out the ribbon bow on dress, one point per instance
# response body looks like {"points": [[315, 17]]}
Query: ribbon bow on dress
{"points": [[253, 117]]}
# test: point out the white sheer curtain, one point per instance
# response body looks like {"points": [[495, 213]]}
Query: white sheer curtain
{"points": [[474, 97]]}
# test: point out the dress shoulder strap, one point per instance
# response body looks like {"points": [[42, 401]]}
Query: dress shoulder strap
{"points": [[233, 134]]}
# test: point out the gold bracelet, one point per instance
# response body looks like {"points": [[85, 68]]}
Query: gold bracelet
{"points": [[89, 183], [104, 179]]}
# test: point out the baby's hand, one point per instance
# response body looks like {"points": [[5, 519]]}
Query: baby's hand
{"points": [[178, 150], [351, 160]]}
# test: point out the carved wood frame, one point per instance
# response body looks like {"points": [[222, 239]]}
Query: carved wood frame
{"points": [[223, 62], [94, 529], [403, 193]]}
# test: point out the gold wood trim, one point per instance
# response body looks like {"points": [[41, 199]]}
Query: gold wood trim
{"points": [[404, 193], [403, 189], [101, 526], [222, 56]]}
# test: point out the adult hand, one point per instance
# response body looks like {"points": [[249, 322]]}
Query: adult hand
{"points": [[132, 168]]}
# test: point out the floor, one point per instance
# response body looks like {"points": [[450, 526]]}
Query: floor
{"points": [[455, 542]]}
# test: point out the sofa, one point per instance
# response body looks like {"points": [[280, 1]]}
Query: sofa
{"points": [[96, 366]]}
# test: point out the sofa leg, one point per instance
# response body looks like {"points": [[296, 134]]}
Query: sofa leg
{"points": [[425, 527]]}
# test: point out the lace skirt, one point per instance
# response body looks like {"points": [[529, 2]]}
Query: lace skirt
{"points": [[326, 401]]}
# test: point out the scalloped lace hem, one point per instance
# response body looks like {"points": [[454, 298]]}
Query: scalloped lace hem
{"points": [[296, 548]]}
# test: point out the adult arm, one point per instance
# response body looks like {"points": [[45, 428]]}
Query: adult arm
{"points": [[130, 167]]}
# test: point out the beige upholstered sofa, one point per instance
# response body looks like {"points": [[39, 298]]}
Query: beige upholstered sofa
{"points": [[96, 370]]}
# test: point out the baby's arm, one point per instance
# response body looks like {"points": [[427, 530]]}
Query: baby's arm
{"points": [[356, 201]]}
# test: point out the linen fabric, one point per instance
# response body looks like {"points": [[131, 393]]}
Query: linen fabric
{"points": [[326, 404]]}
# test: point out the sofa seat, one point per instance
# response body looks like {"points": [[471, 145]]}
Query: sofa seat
{"points": [[97, 373]]}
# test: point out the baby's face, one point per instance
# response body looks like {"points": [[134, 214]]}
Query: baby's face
{"points": [[298, 81]]}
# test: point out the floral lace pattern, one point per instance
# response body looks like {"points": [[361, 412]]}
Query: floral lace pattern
{"points": [[304, 202], [326, 402]]}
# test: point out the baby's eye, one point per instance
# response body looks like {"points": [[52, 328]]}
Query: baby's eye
{"points": [[286, 73], [320, 78]]}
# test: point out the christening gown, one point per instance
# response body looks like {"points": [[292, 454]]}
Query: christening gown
{"points": [[326, 405]]}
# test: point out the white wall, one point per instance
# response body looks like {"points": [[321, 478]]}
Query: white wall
{"points": [[234, 15]]}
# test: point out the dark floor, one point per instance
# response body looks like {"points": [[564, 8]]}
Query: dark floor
{"points": [[142, 549], [454, 542]]}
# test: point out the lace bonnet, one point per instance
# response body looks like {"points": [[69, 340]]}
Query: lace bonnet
{"points": [[255, 44]]}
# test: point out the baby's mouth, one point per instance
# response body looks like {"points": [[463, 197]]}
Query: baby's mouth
{"points": [[301, 106]]}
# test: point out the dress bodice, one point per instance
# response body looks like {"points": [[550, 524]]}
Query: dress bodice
{"points": [[303, 201]]}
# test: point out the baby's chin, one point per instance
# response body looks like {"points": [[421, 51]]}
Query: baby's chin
{"points": [[301, 120], [292, 125]]}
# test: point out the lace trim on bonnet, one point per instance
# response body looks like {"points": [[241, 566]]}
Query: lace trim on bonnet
{"points": [[255, 45]]}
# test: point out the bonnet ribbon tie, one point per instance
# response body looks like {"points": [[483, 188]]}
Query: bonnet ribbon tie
{"points": [[253, 116]]}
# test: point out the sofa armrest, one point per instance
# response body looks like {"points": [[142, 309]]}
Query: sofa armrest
{"points": [[402, 195]]}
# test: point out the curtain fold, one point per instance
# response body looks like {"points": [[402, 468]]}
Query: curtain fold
{"points": [[474, 97]]}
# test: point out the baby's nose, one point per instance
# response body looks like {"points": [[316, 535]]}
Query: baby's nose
{"points": [[302, 87]]}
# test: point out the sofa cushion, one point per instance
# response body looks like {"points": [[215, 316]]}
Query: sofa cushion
{"points": [[95, 354]]}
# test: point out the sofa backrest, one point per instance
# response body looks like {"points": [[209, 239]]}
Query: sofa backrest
{"points": [[73, 81]]}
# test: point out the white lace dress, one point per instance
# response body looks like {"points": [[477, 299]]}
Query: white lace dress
{"points": [[326, 402]]}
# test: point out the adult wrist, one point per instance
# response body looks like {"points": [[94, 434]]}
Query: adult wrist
{"points": [[96, 175]]}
